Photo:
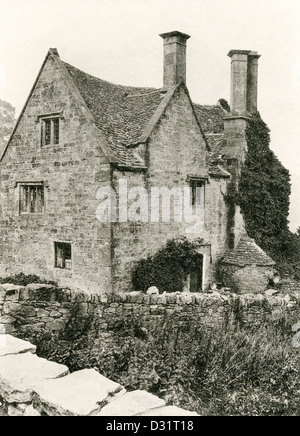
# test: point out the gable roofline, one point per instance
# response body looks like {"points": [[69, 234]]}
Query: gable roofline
{"points": [[104, 145], [51, 52], [55, 55], [196, 116], [154, 120]]}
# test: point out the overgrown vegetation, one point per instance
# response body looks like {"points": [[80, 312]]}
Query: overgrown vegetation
{"points": [[264, 191], [168, 268], [221, 371], [25, 279]]}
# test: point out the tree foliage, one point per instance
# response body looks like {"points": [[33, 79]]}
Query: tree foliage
{"points": [[168, 268]]}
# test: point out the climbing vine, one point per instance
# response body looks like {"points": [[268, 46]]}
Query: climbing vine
{"points": [[264, 191], [168, 268]]}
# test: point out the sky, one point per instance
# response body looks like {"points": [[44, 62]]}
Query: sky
{"points": [[117, 40]]}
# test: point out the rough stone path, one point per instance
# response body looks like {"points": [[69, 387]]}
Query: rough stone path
{"points": [[33, 386]]}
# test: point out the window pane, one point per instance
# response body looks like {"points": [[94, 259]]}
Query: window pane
{"points": [[59, 257], [197, 192], [31, 198], [63, 255], [39, 199], [47, 128], [56, 130], [193, 186], [199, 188]]}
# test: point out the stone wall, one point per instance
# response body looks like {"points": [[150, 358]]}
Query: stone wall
{"points": [[77, 327], [176, 150], [72, 172], [247, 279], [33, 386]]}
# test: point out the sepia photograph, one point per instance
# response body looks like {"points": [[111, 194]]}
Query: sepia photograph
{"points": [[149, 210]]}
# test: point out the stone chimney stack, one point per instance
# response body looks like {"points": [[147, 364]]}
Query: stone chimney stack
{"points": [[252, 81], [243, 94], [243, 101], [174, 57]]}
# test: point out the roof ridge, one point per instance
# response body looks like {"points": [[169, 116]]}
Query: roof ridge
{"points": [[111, 83]]}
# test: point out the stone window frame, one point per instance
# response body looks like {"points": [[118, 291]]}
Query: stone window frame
{"points": [[50, 121], [193, 181], [63, 255], [21, 186]]}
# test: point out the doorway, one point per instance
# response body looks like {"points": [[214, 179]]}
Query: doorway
{"points": [[196, 277]]}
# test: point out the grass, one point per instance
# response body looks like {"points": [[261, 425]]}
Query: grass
{"points": [[220, 371]]}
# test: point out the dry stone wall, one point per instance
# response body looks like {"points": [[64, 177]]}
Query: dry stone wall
{"points": [[33, 386], [76, 328]]}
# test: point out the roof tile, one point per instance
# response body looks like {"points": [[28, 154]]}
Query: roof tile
{"points": [[247, 252], [122, 113]]}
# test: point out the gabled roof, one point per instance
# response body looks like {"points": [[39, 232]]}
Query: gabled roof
{"points": [[127, 115], [247, 252], [121, 112], [211, 118]]}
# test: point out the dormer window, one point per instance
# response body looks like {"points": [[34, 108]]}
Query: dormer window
{"points": [[50, 129]]}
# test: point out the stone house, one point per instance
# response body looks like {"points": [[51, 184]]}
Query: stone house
{"points": [[78, 134]]}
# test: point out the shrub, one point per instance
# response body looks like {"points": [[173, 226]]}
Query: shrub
{"points": [[168, 268], [24, 280]]}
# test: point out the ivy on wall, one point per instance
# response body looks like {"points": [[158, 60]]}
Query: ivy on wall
{"points": [[264, 191]]}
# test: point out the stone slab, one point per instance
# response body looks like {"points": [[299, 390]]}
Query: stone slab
{"points": [[11, 345], [270, 292], [11, 287], [132, 403], [168, 411], [20, 373], [81, 393]]}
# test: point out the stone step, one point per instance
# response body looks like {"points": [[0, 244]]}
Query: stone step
{"points": [[132, 403], [168, 411], [11, 345], [81, 393], [19, 373]]}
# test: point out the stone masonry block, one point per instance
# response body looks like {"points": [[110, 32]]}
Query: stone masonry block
{"points": [[11, 345], [81, 393], [19, 373], [168, 411], [132, 403]]}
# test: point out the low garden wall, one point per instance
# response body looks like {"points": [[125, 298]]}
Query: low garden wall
{"points": [[33, 386], [74, 327]]}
